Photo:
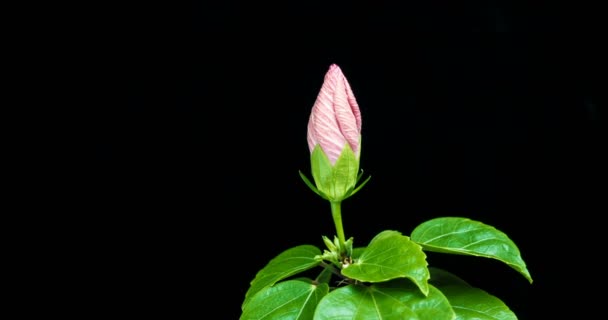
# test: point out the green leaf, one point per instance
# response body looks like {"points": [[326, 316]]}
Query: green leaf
{"points": [[390, 255], [290, 262], [435, 306], [324, 276], [396, 299], [444, 278], [468, 302], [468, 237], [357, 302], [288, 300], [471, 303], [357, 252]]}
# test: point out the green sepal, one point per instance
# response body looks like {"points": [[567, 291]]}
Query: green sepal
{"points": [[361, 185], [312, 186], [338, 181]]}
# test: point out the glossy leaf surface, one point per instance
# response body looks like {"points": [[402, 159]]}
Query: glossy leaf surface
{"points": [[471, 303], [399, 299], [287, 300], [290, 262], [440, 277], [468, 302], [390, 255], [468, 237], [355, 302], [435, 306]]}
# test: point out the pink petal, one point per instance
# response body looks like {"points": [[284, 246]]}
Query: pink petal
{"points": [[335, 118]]}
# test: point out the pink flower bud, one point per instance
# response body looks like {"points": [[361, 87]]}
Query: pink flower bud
{"points": [[335, 118]]}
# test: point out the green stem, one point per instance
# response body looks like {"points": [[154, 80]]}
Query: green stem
{"points": [[336, 213]]}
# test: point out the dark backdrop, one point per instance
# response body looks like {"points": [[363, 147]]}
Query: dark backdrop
{"points": [[488, 109]]}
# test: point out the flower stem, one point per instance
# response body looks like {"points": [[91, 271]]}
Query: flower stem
{"points": [[336, 213]]}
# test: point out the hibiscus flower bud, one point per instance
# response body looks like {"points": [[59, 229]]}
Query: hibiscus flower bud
{"points": [[334, 137], [335, 119]]}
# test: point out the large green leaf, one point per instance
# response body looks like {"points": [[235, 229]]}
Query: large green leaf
{"points": [[435, 306], [357, 252], [468, 302], [471, 303], [287, 300], [396, 299], [390, 255], [468, 237], [290, 262], [440, 277], [357, 302]]}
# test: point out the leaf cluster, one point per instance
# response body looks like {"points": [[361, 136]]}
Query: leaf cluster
{"points": [[387, 279]]}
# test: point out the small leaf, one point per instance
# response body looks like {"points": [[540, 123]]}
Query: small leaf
{"points": [[357, 302], [288, 300], [388, 256], [290, 262], [330, 245], [324, 276], [348, 246], [468, 237]]}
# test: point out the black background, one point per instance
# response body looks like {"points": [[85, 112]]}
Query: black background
{"points": [[485, 109]]}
